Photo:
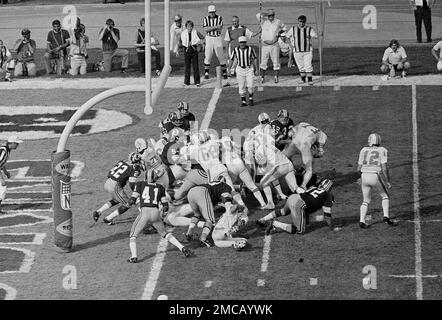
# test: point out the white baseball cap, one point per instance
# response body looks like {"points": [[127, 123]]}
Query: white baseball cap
{"points": [[211, 8], [14, 139], [242, 39]]}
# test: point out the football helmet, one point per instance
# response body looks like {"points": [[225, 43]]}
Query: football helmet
{"points": [[263, 118], [183, 107], [374, 140], [325, 184], [175, 134], [177, 119], [134, 157], [283, 116], [140, 145]]}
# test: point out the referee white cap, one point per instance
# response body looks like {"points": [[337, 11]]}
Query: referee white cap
{"points": [[242, 39], [211, 8], [14, 139]]}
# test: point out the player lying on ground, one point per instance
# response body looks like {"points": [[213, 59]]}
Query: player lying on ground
{"points": [[153, 203], [124, 171], [228, 225], [372, 165], [299, 206], [309, 141]]}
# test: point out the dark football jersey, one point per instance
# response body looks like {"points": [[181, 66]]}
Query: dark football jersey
{"points": [[216, 190], [150, 193], [300, 177], [315, 199], [169, 126], [123, 171], [189, 117], [281, 131]]}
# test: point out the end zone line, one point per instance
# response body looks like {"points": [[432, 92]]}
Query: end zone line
{"points": [[160, 254], [417, 218], [265, 258]]}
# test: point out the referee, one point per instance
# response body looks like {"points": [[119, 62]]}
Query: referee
{"points": [[5, 150], [301, 38], [213, 25], [243, 56]]}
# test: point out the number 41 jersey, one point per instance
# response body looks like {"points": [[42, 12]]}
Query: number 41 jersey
{"points": [[371, 159], [151, 194]]}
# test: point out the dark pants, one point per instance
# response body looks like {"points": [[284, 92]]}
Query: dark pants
{"points": [[142, 63], [422, 14], [191, 57]]}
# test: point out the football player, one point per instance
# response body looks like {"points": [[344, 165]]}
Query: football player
{"points": [[153, 204], [372, 165], [299, 206], [170, 155], [228, 225], [309, 141], [124, 171], [183, 109], [176, 120], [281, 128], [202, 199]]}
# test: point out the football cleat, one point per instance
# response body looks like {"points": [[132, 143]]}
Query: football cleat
{"points": [[109, 222], [206, 243], [363, 225], [95, 215], [206, 75], [269, 228], [132, 260], [186, 252], [243, 104], [390, 222], [251, 103]]}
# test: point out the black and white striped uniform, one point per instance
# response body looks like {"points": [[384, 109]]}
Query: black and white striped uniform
{"points": [[213, 42], [302, 47], [244, 68]]}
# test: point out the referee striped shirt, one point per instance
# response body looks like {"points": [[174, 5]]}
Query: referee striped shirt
{"points": [[212, 22], [302, 38], [4, 155], [245, 56]]}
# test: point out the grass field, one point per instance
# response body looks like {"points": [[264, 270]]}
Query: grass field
{"points": [[335, 260]]}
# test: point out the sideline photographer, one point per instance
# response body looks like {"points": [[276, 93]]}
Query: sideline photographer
{"points": [[110, 36], [56, 48], [25, 48]]}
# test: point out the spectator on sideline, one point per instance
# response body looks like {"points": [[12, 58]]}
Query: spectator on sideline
{"points": [[6, 63], [5, 150], [78, 52], [285, 48], [25, 48], [271, 28], [213, 25], [394, 59], [438, 47], [56, 48], [176, 29], [191, 39], [140, 47], [109, 36], [422, 11], [233, 33]]}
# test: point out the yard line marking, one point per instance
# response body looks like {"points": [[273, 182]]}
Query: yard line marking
{"points": [[208, 284], [160, 254], [298, 89], [417, 218], [261, 283], [266, 253], [414, 276], [11, 293], [155, 270], [375, 88]]}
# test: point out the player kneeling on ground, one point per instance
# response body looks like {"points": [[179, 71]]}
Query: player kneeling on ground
{"points": [[299, 206], [153, 203], [394, 59], [228, 225], [372, 164]]}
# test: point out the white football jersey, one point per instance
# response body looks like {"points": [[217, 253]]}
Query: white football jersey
{"points": [[371, 159], [305, 134]]}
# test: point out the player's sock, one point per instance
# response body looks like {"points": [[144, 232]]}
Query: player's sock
{"points": [[259, 197], [133, 247], [112, 215], [302, 77], [224, 69], [272, 215], [205, 233], [206, 69], [279, 190], [310, 79], [287, 227], [268, 193], [192, 225], [104, 207], [169, 237], [363, 211], [250, 95], [386, 206]]}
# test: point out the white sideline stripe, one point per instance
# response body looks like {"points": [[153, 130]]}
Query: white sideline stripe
{"points": [[414, 276], [38, 238], [11, 293], [422, 221], [27, 261], [266, 253], [155, 270], [417, 218], [157, 263]]}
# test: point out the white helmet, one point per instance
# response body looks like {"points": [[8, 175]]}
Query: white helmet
{"points": [[374, 140], [140, 145], [263, 118]]}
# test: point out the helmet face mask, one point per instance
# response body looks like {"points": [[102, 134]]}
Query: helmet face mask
{"points": [[283, 117]]}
